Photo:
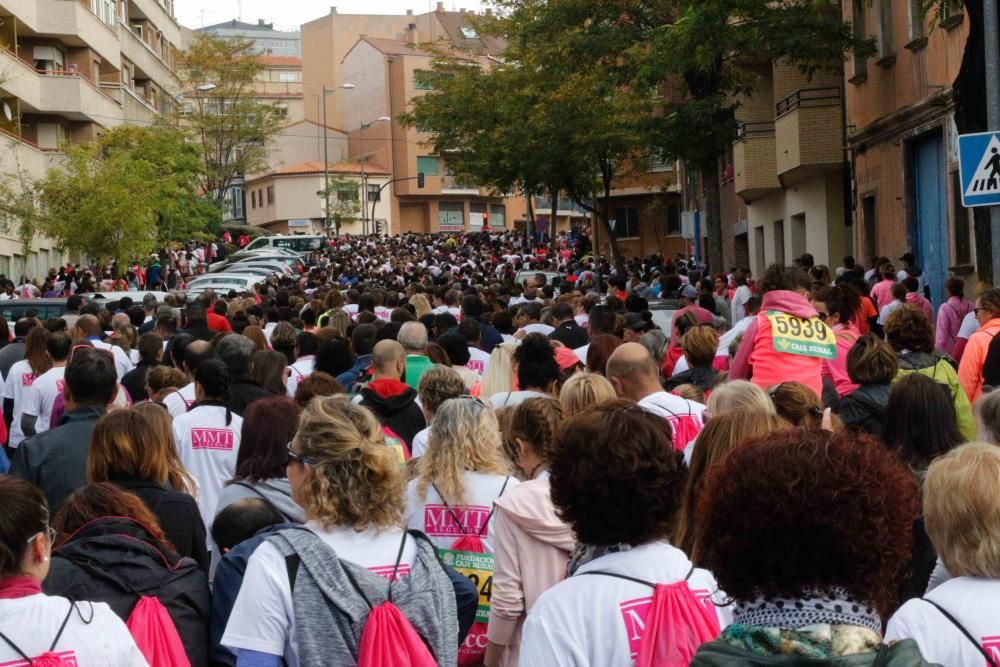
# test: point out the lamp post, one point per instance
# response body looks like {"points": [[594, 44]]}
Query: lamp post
{"points": [[326, 155], [364, 175]]}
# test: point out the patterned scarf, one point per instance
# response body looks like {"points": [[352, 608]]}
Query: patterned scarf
{"points": [[832, 606], [584, 553]]}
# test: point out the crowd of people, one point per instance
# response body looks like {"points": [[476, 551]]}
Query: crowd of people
{"points": [[406, 456]]}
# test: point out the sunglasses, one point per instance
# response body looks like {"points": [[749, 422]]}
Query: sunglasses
{"points": [[295, 457], [977, 310], [822, 314], [773, 391]]}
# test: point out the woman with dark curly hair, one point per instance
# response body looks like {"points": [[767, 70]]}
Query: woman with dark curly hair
{"points": [[909, 333], [616, 481], [810, 534]]}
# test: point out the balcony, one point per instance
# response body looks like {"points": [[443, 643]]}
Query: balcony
{"points": [[135, 109], [157, 14], [808, 132], [452, 186], [69, 20], [146, 60], [754, 164], [567, 208], [21, 154]]}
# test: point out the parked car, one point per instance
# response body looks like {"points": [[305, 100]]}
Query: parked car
{"points": [[294, 263], [551, 277], [136, 296], [15, 309], [299, 243]]}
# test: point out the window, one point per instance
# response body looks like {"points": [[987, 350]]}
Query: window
{"points": [[658, 163], [673, 213], [498, 216], [270, 195], [858, 28], [281, 110], [253, 199], [422, 80], [236, 195], [626, 222], [374, 192], [289, 77], [869, 222], [779, 242], [451, 217], [917, 28], [348, 192], [427, 165], [886, 48], [469, 32]]}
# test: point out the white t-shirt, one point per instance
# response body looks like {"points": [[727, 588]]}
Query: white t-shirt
{"points": [[479, 361], [432, 516], [512, 399], [122, 363], [269, 329], [351, 309], [686, 418], [455, 312], [300, 370], [419, 445], [536, 327], [41, 396], [263, 618], [740, 298], [32, 622], [583, 320], [599, 620], [581, 353], [969, 326], [975, 603], [726, 339], [179, 401], [207, 447], [16, 387]]}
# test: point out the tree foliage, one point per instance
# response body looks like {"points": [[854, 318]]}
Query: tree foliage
{"points": [[586, 88], [221, 111], [20, 211], [125, 194], [344, 201]]}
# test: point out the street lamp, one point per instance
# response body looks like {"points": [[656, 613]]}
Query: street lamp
{"points": [[326, 152], [364, 175], [203, 88]]}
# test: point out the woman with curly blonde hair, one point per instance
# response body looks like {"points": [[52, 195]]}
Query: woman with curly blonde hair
{"points": [[462, 473], [420, 305], [351, 488]]}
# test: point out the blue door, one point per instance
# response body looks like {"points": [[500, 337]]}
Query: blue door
{"points": [[927, 180]]}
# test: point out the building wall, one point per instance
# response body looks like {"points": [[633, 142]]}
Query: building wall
{"points": [[364, 67], [303, 142], [296, 198]]}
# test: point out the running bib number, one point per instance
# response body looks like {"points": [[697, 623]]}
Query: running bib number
{"points": [[805, 338], [479, 569]]}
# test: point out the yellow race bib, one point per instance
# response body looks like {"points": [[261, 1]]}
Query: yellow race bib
{"points": [[802, 337]]}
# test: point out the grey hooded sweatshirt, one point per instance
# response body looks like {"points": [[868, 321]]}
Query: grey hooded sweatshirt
{"points": [[275, 492], [330, 615]]}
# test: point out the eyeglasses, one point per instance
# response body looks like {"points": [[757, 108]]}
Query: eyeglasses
{"points": [[295, 457], [478, 401], [976, 310], [49, 532], [822, 314]]}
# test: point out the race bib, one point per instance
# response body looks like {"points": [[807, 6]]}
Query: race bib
{"points": [[479, 569], [802, 337]]}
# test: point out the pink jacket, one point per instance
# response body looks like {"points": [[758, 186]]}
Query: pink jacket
{"points": [[532, 547], [836, 369], [917, 299], [949, 321], [759, 361], [882, 293]]}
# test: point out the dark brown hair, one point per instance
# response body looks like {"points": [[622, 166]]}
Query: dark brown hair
{"points": [[907, 328], [269, 424], [871, 361], [25, 513], [814, 509], [104, 500], [317, 384]]}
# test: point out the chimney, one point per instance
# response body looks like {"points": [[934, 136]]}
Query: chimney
{"points": [[333, 10], [409, 12], [440, 7], [462, 10], [260, 22], [411, 34]]}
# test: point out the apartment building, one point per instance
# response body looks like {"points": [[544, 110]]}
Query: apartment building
{"points": [[901, 113], [267, 40], [70, 70]]}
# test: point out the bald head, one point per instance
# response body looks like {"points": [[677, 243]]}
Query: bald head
{"points": [[195, 353], [633, 372], [388, 358]]}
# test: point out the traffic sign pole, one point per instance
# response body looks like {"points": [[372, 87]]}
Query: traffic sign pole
{"points": [[992, 44]]}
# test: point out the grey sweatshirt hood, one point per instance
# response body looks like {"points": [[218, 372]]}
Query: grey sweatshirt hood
{"points": [[277, 492]]}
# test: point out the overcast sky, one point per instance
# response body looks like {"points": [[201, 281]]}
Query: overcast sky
{"points": [[293, 13]]}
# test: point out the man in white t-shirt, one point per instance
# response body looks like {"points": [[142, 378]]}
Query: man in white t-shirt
{"points": [[189, 357], [634, 375], [89, 327], [42, 394], [307, 345], [526, 319]]}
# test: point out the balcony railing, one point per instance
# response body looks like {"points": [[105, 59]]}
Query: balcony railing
{"points": [[543, 205], [756, 130], [808, 97]]}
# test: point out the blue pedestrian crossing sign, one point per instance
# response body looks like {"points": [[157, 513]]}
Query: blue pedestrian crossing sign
{"points": [[979, 163]]}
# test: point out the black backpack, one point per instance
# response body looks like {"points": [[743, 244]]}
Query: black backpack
{"points": [[991, 366]]}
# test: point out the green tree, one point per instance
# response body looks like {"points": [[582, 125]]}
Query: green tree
{"points": [[343, 200], [220, 110], [21, 214]]}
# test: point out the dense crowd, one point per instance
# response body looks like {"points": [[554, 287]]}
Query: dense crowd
{"points": [[427, 450]]}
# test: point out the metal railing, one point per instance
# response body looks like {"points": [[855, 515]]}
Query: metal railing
{"points": [[755, 130], [808, 97]]}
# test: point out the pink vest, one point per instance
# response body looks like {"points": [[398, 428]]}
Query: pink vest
{"points": [[771, 367]]}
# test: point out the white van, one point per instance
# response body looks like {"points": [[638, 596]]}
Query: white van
{"points": [[301, 244]]}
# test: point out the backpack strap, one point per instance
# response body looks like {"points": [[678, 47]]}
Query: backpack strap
{"points": [[989, 659], [16, 649], [399, 559], [493, 509], [619, 576]]}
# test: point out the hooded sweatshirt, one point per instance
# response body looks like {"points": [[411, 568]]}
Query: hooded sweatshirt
{"points": [[940, 368], [786, 343], [395, 405], [532, 548], [918, 300], [275, 492], [865, 407]]}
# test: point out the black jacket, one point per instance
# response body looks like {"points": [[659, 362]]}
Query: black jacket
{"points": [[135, 381], [116, 560], [864, 408], [570, 334], [701, 377], [398, 412], [178, 515], [243, 391], [56, 460]]}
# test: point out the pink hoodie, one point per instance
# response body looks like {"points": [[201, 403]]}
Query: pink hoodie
{"points": [[918, 300], [532, 547], [759, 362]]}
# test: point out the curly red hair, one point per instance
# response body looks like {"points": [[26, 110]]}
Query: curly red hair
{"points": [[798, 509]]}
